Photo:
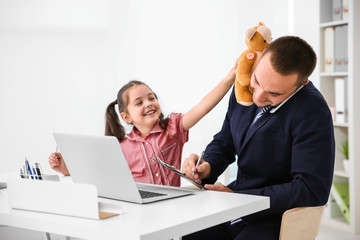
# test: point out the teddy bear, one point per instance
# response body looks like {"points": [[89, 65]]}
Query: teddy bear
{"points": [[257, 39]]}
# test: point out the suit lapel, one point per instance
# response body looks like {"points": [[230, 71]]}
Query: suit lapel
{"points": [[253, 129], [244, 124]]}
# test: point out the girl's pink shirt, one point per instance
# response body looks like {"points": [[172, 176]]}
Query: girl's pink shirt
{"points": [[166, 144]]}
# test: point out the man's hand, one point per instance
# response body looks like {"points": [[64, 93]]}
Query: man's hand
{"points": [[217, 187], [201, 172]]}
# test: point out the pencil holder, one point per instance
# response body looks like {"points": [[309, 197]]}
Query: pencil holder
{"points": [[46, 177], [71, 199]]}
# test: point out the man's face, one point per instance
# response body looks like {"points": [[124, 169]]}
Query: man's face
{"points": [[269, 87]]}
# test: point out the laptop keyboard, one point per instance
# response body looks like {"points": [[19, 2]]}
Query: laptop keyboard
{"points": [[146, 194]]}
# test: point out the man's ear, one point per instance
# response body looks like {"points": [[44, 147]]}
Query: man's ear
{"points": [[125, 117]]}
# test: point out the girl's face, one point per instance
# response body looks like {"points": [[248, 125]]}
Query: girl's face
{"points": [[143, 109]]}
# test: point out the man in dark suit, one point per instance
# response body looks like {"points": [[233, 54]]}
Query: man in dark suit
{"points": [[286, 152]]}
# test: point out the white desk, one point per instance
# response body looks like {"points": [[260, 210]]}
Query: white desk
{"points": [[160, 220]]}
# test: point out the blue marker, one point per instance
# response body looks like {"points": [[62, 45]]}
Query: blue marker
{"points": [[34, 172], [29, 168]]}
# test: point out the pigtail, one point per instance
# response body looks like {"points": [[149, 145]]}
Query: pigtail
{"points": [[113, 126], [163, 122]]}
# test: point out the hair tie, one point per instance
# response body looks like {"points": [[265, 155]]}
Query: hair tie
{"points": [[115, 102]]}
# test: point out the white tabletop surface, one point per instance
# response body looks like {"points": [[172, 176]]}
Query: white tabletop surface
{"points": [[159, 220]]}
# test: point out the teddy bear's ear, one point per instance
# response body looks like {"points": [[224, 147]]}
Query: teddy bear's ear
{"points": [[265, 33], [250, 33]]}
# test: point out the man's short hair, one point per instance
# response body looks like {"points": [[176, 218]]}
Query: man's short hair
{"points": [[291, 54]]}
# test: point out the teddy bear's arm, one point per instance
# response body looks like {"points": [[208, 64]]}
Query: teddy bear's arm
{"points": [[245, 63]]}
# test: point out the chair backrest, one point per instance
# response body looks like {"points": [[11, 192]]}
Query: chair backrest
{"points": [[301, 223]]}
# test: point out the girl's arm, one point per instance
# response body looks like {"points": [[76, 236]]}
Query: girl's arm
{"points": [[209, 101]]}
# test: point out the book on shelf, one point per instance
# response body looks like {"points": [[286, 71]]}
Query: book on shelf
{"points": [[334, 10], [325, 11], [345, 9], [340, 192], [329, 49], [341, 48], [337, 10], [341, 106]]}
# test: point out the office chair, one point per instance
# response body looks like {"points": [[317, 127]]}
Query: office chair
{"points": [[301, 223]]}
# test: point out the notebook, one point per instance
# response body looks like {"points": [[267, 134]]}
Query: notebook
{"points": [[99, 160]]}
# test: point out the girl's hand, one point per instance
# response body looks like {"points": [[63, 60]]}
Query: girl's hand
{"points": [[230, 77], [57, 163]]}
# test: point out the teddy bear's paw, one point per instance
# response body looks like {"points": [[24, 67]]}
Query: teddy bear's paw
{"points": [[243, 95], [246, 103]]}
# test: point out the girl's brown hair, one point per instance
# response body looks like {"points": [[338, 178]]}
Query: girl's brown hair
{"points": [[113, 126]]}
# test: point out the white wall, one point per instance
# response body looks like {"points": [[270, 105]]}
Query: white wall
{"points": [[305, 24], [62, 62], [56, 71]]}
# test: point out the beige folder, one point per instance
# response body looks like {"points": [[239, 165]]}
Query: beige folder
{"points": [[329, 49], [345, 10]]}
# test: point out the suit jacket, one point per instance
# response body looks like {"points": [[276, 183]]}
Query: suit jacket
{"points": [[287, 155]]}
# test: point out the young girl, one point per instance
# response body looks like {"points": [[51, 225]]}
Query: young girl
{"points": [[152, 136]]}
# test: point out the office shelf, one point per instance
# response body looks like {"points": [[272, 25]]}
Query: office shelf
{"points": [[350, 129], [333, 23], [341, 173], [333, 74]]}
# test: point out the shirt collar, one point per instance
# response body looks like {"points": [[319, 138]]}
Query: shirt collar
{"points": [[135, 134], [283, 102]]}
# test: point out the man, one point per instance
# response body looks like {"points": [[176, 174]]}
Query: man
{"points": [[287, 153]]}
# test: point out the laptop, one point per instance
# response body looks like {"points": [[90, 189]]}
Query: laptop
{"points": [[99, 160]]}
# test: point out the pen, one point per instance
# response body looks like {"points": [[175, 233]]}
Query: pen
{"points": [[38, 170], [25, 171], [29, 168], [199, 160], [34, 173], [21, 173], [56, 150]]}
